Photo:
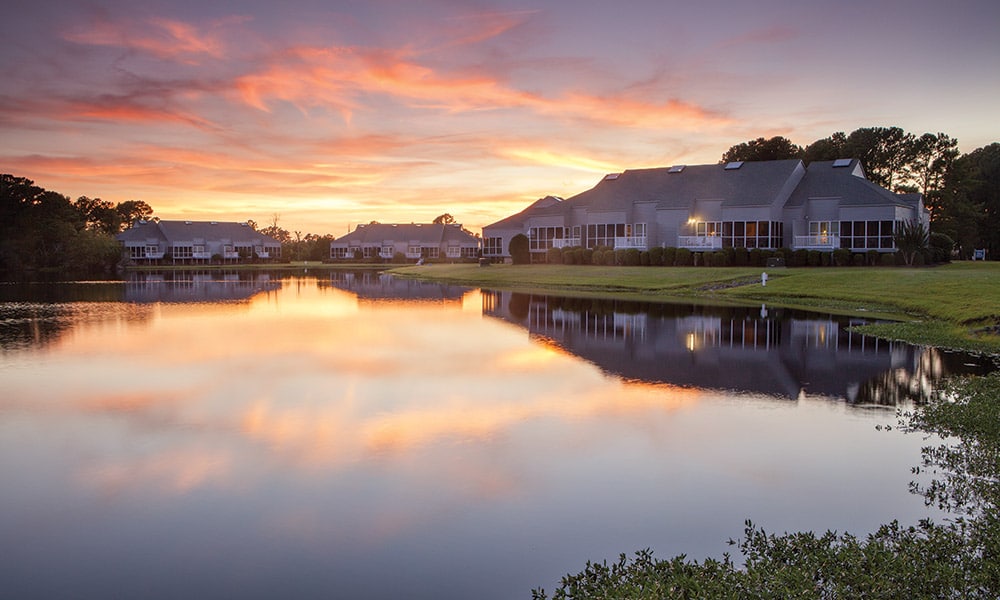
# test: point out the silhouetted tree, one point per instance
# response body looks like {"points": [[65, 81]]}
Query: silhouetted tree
{"points": [[776, 148], [445, 219]]}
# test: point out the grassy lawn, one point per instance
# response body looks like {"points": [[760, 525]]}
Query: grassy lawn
{"points": [[956, 305]]}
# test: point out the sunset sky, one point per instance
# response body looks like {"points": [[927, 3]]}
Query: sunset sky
{"points": [[330, 113]]}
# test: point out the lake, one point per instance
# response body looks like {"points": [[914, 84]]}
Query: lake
{"points": [[347, 434]]}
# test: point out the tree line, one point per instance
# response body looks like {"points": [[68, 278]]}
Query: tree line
{"points": [[46, 234], [962, 191]]}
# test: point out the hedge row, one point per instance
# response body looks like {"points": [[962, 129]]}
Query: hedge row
{"points": [[735, 257]]}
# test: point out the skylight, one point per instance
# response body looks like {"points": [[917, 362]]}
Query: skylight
{"points": [[842, 162], [736, 164], [612, 176], [675, 169]]}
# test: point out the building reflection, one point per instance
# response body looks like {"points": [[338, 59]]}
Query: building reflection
{"points": [[374, 286], [777, 352], [195, 286]]}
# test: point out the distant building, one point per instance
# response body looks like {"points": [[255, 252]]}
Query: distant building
{"points": [[193, 242], [766, 204], [415, 241]]}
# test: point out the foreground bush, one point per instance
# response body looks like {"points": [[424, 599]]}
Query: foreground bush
{"points": [[957, 559]]}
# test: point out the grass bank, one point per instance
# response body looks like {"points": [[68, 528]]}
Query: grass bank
{"points": [[956, 305]]}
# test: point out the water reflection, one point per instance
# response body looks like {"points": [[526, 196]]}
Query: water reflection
{"points": [[347, 435], [778, 352]]}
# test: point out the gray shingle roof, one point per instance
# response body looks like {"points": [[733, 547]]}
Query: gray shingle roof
{"points": [[823, 180], [430, 234], [187, 231]]}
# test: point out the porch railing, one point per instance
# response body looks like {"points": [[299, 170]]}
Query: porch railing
{"points": [[699, 242], [817, 242], [566, 242], [632, 241]]}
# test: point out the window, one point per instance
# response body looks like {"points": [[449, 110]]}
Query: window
{"points": [[413, 250], [368, 251], [182, 252], [867, 235], [493, 246], [387, 251], [453, 251], [604, 234], [430, 251], [540, 238]]}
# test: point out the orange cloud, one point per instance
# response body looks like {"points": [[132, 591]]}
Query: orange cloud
{"points": [[161, 37]]}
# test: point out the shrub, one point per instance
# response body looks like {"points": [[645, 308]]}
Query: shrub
{"points": [[858, 260], [741, 257], [644, 258], [520, 250], [588, 256], [826, 258], [800, 258], [888, 259], [683, 257], [842, 257], [609, 257], [814, 258], [632, 257], [757, 258], [669, 256], [874, 256], [597, 257], [911, 238], [619, 256], [553, 256], [579, 256], [941, 246], [656, 256], [568, 256], [718, 259]]}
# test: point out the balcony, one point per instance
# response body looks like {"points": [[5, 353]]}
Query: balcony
{"points": [[201, 255], [699, 242], [631, 241], [816, 242]]}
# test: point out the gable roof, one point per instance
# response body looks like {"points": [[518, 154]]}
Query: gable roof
{"points": [[423, 233], [188, 231], [845, 180], [750, 184], [544, 205]]}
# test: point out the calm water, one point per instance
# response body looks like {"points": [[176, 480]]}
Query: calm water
{"points": [[350, 435]]}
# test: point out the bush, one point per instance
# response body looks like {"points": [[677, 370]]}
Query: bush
{"points": [[609, 257], [683, 257], [656, 256], [826, 258], [941, 247], [579, 256], [718, 259], [632, 257], [520, 249], [741, 257], [568, 256], [858, 260], [842, 257], [756, 258], [588, 256], [874, 257], [888, 259], [800, 258], [597, 257], [644, 258], [553, 256], [814, 258], [669, 256]]}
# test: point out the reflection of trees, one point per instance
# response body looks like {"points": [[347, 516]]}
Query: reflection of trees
{"points": [[25, 325], [916, 384]]}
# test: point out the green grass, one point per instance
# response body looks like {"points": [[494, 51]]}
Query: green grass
{"points": [[956, 305]]}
